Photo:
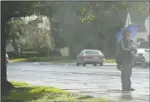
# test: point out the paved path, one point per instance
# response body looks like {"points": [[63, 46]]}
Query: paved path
{"points": [[97, 81]]}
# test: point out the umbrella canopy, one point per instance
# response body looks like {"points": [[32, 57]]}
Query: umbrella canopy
{"points": [[132, 28]]}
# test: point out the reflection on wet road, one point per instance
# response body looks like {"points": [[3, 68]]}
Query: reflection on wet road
{"points": [[96, 81]]}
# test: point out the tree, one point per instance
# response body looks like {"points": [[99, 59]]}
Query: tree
{"points": [[32, 31], [103, 15], [11, 10], [15, 30], [41, 35], [87, 13], [78, 34]]}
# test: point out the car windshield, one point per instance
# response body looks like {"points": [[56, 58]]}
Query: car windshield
{"points": [[144, 45], [93, 52]]}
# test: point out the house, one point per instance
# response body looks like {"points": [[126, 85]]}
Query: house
{"points": [[142, 22]]}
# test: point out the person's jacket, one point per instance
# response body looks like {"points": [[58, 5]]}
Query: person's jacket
{"points": [[126, 50]]}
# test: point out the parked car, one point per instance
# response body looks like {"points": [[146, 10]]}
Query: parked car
{"points": [[140, 51], [90, 56], [145, 59]]}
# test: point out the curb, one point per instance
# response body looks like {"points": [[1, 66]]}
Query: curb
{"points": [[53, 63], [106, 64]]}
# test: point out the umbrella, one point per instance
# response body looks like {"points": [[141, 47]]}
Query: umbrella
{"points": [[132, 28]]}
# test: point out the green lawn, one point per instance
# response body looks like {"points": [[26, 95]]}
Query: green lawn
{"points": [[110, 61], [18, 60], [23, 92]]}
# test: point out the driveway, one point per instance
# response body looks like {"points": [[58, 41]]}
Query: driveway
{"points": [[97, 81]]}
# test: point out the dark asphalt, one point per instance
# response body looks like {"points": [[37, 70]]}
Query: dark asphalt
{"points": [[97, 81]]}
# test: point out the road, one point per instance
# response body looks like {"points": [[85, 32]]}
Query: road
{"points": [[97, 81]]}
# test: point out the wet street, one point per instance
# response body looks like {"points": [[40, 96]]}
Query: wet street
{"points": [[97, 81]]}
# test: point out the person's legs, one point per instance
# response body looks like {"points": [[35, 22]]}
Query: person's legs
{"points": [[125, 75]]}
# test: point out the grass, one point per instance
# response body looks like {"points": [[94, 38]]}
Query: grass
{"points": [[18, 60], [56, 59], [64, 61], [73, 61], [49, 59], [23, 92], [110, 61]]}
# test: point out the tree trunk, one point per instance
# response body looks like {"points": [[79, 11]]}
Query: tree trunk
{"points": [[6, 86], [52, 32]]}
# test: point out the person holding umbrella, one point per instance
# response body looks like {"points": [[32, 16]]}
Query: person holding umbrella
{"points": [[125, 59]]}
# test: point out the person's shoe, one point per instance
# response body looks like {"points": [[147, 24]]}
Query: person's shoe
{"points": [[130, 89]]}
